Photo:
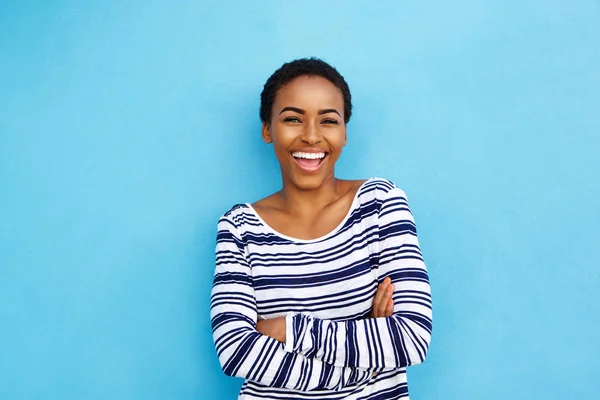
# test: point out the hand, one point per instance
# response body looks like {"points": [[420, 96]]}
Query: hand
{"points": [[274, 328], [383, 305]]}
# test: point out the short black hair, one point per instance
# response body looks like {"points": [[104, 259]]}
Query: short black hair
{"points": [[301, 67]]}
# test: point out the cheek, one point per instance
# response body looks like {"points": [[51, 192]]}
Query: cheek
{"points": [[336, 140], [283, 137], [281, 151]]}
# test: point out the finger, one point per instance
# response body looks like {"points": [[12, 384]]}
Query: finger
{"points": [[377, 299], [389, 290], [389, 310], [385, 296], [378, 296], [380, 291]]}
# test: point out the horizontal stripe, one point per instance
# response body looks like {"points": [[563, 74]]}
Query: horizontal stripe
{"points": [[325, 288]]}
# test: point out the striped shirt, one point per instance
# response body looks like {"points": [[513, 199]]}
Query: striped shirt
{"points": [[325, 288]]}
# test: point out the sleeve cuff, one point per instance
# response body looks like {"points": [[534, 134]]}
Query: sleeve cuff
{"points": [[289, 333]]}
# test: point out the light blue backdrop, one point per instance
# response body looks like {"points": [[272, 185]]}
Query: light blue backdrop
{"points": [[128, 127]]}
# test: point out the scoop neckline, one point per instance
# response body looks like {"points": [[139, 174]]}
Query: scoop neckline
{"points": [[320, 238]]}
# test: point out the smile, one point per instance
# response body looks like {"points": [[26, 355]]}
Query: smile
{"points": [[309, 162]]}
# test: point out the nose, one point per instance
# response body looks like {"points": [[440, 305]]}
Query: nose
{"points": [[311, 134]]}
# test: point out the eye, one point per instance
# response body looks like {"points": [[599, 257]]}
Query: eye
{"points": [[330, 121], [292, 119]]}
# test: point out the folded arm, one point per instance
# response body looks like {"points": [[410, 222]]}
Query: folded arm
{"points": [[242, 350], [377, 343]]}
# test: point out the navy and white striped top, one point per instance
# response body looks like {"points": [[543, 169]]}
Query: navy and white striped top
{"points": [[325, 288]]}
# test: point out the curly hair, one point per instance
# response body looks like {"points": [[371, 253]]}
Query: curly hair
{"points": [[304, 66]]}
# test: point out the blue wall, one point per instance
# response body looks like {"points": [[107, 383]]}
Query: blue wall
{"points": [[128, 127]]}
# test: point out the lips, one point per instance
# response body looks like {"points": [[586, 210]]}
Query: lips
{"points": [[309, 161]]}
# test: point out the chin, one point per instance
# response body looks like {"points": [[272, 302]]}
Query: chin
{"points": [[309, 182]]}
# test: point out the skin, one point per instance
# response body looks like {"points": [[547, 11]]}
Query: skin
{"points": [[308, 115]]}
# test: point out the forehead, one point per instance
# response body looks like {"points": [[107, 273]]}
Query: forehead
{"points": [[308, 91]]}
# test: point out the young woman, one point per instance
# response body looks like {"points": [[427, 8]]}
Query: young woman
{"points": [[320, 290]]}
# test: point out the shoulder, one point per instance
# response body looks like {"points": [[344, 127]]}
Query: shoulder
{"points": [[380, 189], [237, 216], [268, 205]]}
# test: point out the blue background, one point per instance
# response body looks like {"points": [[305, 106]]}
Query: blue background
{"points": [[128, 127]]}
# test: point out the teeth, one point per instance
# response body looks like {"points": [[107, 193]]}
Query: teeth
{"points": [[310, 156]]}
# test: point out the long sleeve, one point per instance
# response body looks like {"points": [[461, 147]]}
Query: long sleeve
{"points": [[242, 350], [378, 343]]}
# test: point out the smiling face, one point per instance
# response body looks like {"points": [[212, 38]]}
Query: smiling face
{"points": [[307, 130]]}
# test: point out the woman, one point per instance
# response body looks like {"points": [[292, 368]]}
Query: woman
{"points": [[320, 289]]}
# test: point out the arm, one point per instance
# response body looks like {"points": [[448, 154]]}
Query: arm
{"points": [[378, 343], [244, 352]]}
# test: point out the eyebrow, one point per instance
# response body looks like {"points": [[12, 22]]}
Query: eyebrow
{"points": [[301, 111]]}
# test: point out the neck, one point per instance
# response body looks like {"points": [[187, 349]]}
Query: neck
{"points": [[307, 201]]}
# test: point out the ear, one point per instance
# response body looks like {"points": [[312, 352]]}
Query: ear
{"points": [[266, 133], [345, 137]]}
